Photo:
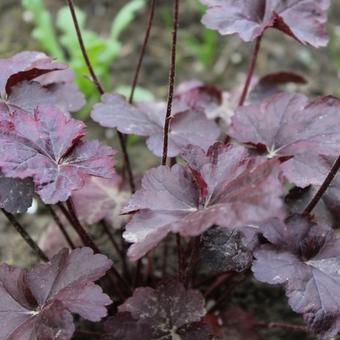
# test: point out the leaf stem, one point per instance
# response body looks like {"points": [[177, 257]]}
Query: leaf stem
{"points": [[23, 233], [61, 227], [171, 84], [323, 188], [71, 215], [101, 91], [142, 52], [281, 325], [250, 71], [116, 247]]}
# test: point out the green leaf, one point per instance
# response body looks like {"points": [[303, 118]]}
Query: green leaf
{"points": [[43, 31], [125, 16]]}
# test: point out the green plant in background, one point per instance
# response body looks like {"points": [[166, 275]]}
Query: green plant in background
{"points": [[64, 46], [204, 47], [334, 46]]}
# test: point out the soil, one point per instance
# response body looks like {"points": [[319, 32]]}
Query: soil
{"points": [[226, 71]]}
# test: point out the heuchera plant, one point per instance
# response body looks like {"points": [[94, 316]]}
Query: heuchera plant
{"points": [[233, 197]]}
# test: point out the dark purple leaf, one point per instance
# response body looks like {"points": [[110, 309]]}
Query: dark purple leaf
{"points": [[37, 304], [198, 96], [61, 85], [304, 20], [287, 125], [186, 127], [272, 84], [100, 198], [224, 250], [123, 326], [49, 87], [226, 187], [238, 325], [47, 147], [169, 312], [305, 257], [24, 66], [15, 194]]}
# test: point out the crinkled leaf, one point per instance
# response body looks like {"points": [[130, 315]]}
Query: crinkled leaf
{"points": [[170, 311], [37, 304], [288, 125], [100, 198], [226, 187], [24, 66], [304, 20], [305, 257], [15, 194], [224, 250], [186, 127], [47, 147]]}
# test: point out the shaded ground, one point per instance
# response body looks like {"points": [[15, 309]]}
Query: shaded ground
{"points": [[225, 70]]}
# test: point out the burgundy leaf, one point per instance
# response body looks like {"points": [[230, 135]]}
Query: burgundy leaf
{"points": [[287, 125], [15, 194], [37, 304], [123, 326], [304, 20], [65, 92], [187, 126], [305, 257], [224, 250], [170, 311], [24, 66], [227, 187], [47, 147], [238, 325], [198, 96], [272, 84], [100, 198]]}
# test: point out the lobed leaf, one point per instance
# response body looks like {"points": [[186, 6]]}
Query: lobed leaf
{"points": [[291, 127], [186, 127], [303, 20], [47, 146], [226, 187], [167, 312], [37, 304], [305, 257]]}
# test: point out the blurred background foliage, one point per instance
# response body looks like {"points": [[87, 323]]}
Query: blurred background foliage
{"points": [[113, 31]]}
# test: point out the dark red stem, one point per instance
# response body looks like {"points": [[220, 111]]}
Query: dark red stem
{"points": [[172, 76], [281, 325], [250, 71], [71, 215], [115, 245], [61, 227], [323, 188], [23, 233], [100, 90], [142, 52]]}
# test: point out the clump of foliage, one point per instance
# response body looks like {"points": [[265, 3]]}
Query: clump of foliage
{"points": [[246, 188]]}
